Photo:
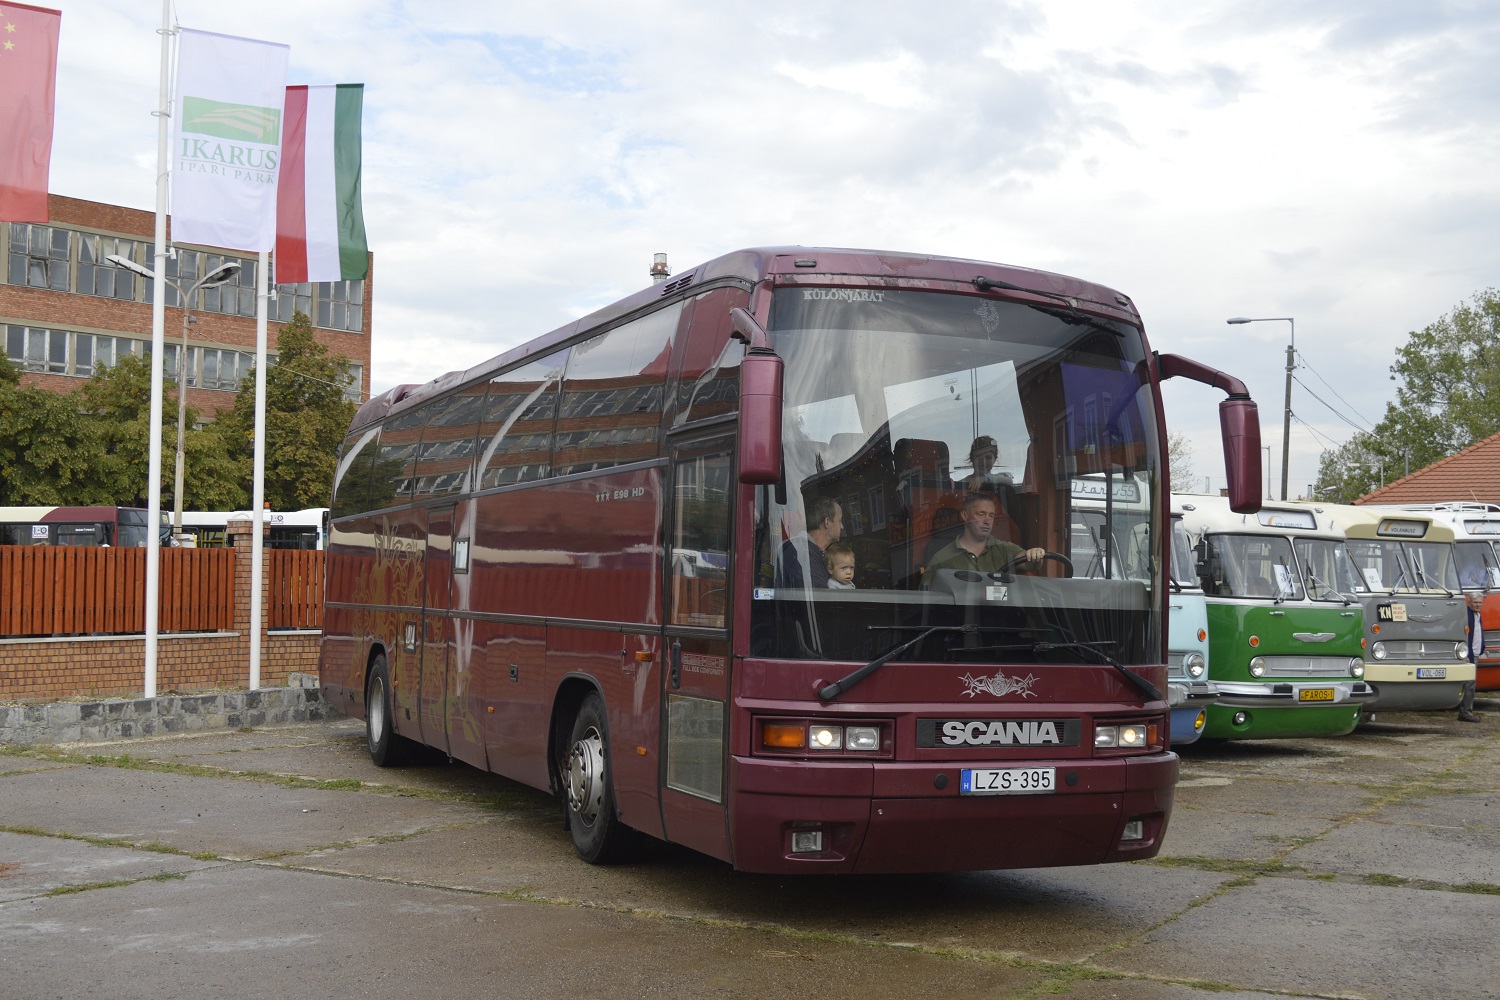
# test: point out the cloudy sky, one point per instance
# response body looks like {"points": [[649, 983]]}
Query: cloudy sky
{"points": [[1334, 162]]}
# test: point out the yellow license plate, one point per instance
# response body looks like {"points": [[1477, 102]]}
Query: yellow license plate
{"points": [[1315, 694]]}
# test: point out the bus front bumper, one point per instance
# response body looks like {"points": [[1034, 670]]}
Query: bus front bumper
{"points": [[905, 816], [1308, 692], [1417, 687]]}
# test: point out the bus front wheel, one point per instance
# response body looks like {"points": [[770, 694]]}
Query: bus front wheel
{"points": [[386, 748], [598, 834]]}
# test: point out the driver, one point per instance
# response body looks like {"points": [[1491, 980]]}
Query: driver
{"points": [[974, 548]]}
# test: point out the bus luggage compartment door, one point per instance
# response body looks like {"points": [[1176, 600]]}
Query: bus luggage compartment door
{"points": [[436, 632]]}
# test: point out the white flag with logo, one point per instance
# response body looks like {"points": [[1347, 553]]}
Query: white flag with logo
{"points": [[227, 143]]}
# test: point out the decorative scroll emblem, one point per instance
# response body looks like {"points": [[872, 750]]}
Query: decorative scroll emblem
{"points": [[999, 685], [1313, 636], [1425, 619]]}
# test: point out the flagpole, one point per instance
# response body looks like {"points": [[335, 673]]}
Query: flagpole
{"points": [[257, 601], [158, 327]]}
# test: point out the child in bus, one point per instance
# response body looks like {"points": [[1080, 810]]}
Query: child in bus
{"points": [[840, 567]]}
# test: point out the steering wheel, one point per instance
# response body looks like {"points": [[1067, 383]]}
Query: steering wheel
{"points": [[1021, 560]]}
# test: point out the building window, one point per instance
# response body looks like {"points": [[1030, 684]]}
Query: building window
{"points": [[341, 305], [38, 256], [96, 275], [236, 297], [62, 352], [355, 376]]}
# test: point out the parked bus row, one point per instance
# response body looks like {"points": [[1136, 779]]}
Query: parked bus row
{"points": [[1317, 615], [602, 564], [126, 526]]}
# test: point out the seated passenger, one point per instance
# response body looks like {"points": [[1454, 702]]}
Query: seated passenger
{"points": [[803, 562], [975, 548], [840, 567]]}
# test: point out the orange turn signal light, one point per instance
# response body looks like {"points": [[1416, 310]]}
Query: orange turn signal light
{"points": [[783, 737]]}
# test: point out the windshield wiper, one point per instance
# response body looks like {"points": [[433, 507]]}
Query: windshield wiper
{"points": [[1140, 683], [838, 687], [985, 284]]}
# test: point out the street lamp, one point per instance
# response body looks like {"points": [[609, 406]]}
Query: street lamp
{"points": [[1286, 418], [212, 279]]}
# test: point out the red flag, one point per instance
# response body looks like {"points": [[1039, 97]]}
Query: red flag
{"points": [[28, 83]]}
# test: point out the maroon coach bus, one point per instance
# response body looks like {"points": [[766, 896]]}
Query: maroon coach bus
{"points": [[588, 565]]}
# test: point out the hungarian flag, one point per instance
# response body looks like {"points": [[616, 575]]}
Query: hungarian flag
{"points": [[28, 81], [320, 221]]}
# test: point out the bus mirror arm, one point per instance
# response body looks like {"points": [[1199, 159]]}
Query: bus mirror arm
{"points": [[1239, 427]]}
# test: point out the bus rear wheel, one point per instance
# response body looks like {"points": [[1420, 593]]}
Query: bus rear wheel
{"points": [[598, 835], [386, 748]]}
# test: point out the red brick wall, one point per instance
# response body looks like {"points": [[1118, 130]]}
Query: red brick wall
{"points": [[95, 314], [54, 669]]}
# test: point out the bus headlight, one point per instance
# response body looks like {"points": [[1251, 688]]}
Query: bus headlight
{"points": [[1356, 667], [825, 737], [1126, 736], [1258, 666], [862, 738], [1378, 650], [1459, 651], [1194, 664]]}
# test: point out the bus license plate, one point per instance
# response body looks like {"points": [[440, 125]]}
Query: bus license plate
{"points": [[1315, 694], [1008, 781], [1432, 673]]}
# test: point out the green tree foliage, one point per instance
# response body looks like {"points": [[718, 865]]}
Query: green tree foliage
{"points": [[48, 450], [1447, 397], [306, 420]]}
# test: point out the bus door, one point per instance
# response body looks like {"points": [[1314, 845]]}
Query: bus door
{"points": [[696, 678], [436, 632]]}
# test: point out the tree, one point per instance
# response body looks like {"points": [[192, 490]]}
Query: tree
{"points": [[1180, 472], [1447, 397], [48, 450], [1350, 471], [306, 419], [118, 402]]}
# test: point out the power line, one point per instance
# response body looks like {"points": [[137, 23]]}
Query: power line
{"points": [[1331, 409], [1333, 390]]}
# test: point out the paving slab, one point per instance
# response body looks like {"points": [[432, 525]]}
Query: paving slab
{"points": [[31, 866], [1143, 989], [1303, 936], [1059, 914], [227, 818], [1242, 836], [211, 935], [11, 764], [1454, 839]]}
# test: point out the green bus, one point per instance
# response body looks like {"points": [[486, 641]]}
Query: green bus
{"points": [[1285, 655]]}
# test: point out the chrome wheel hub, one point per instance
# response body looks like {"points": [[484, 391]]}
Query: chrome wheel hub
{"points": [[586, 776]]}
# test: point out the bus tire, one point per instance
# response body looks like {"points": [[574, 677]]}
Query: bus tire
{"points": [[588, 787], [386, 748]]}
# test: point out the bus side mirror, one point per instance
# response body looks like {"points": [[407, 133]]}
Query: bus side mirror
{"points": [[760, 401], [1239, 425]]}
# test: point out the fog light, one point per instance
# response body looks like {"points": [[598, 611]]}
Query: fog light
{"points": [[1240, 718], [1200, 721], [807, 841], [1258, 667], [862, 738], [825, 737], [1135, 829]]}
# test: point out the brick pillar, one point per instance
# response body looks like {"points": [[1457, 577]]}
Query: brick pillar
{"points": [[239, 532]]}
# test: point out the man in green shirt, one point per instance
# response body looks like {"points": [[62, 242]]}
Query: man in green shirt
{"points": [[974, 548]]}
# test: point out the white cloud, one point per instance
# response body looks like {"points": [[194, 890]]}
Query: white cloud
{"points": [[1331, 161]]}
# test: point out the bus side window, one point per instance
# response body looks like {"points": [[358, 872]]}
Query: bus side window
{"points": [[708, 359], [700, 541], [515, 431]]}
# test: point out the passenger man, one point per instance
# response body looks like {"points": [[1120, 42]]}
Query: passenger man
{"points": [[975, 548], [803, 559]]}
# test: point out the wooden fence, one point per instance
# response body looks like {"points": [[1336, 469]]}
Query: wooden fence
{"points": [[50, 590], [295, 599]]}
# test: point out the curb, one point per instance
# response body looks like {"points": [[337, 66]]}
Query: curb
{"points": [[98, 721]]}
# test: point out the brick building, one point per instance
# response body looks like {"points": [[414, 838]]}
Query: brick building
{"points": [[66, 311]]}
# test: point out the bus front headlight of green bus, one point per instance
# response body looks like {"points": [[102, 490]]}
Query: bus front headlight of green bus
{"points": [[1357, 666], [1258, 666]]}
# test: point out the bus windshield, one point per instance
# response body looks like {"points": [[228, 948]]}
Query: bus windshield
{"points": [[931, 439], [1477, 566], [1258, 566], [1328, 571], [1184, 565]]}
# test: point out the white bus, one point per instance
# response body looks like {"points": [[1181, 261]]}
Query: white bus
{"points": [[293, 529]]}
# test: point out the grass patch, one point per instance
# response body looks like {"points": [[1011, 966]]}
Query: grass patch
{"points": [[1478, 888], [68, 890], [1381, 879]]}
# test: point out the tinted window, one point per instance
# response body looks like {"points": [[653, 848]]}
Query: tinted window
{"points": [[515, 432]]}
